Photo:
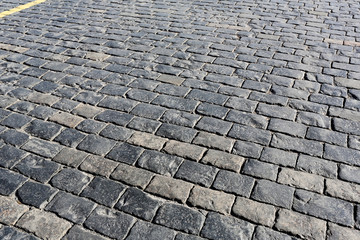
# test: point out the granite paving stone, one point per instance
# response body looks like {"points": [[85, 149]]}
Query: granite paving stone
{"points": [[180, 217], [180, 120], [71, 180], [35, 194], [37, 168], [103, 191], [138, 203], [225, 227], [44, 224], [110, 223], [10, 210], [70, 207]]}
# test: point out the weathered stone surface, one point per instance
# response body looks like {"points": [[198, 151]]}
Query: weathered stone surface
{"points": [[9, 155], [211, 200], [185, 150], [110, 223], [260, 169], [147, 140], [298, 224], [125, 153], [224, 227], [349, 173], [280, 157], [263, 214], [223, 160], [103, 191], [131, 175], [317, 166], [332, 209], [98, 165], [197, 173], [296, 144], [71, 180], [138, 203], [10, 210], [234, 183], [97, 145], [37, 168], [10, 181], [70, 157], [343, 190], [77, 232], [35, 194], [170, 188], [214, 141], [44, 224], [262, 233], [303, 180], [180, 218], [70, 207], [41, 147], [7, 232], [273, 193], [164, 164], [66, 119], [337, 232], [342, 154]]}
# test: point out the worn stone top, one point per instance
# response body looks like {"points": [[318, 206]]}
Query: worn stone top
{"points": [[180, 120]]}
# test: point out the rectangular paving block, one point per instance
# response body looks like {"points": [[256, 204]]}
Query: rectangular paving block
{"points": [[211, 199], [44, 224]]}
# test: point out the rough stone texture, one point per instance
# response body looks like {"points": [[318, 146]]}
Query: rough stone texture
{"points": [[273, 193], [298, 224], [10, 181], [7, 232], [45, 225], [147, 140], [70, 207], [170, 188], [267, 233], [10, 210], [223, 160], [70, 180], [337, 232], [234, 183], [256, 99], [70, 157], [103, 191], [110, 223], [125, 153], [303, 180], [224, 227], [145, 230], [138, 203], [196, 173], [164, 164], [184, 150], [263, 214], [35, 194], [66, 119], [77, 232], [324, 207], [343, 190], [211, 200], [180, 218], [98, 165], [131, 175]]}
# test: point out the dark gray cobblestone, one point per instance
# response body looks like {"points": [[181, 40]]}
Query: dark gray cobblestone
{"points": [[249, 109]]}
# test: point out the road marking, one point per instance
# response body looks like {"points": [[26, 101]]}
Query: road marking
{"points": [[21, 7]]}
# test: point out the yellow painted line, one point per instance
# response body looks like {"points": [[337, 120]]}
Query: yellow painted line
{"points": [[21, 7]]}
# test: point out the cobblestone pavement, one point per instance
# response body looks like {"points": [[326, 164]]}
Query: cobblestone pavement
{"points": [[176, 119]]}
